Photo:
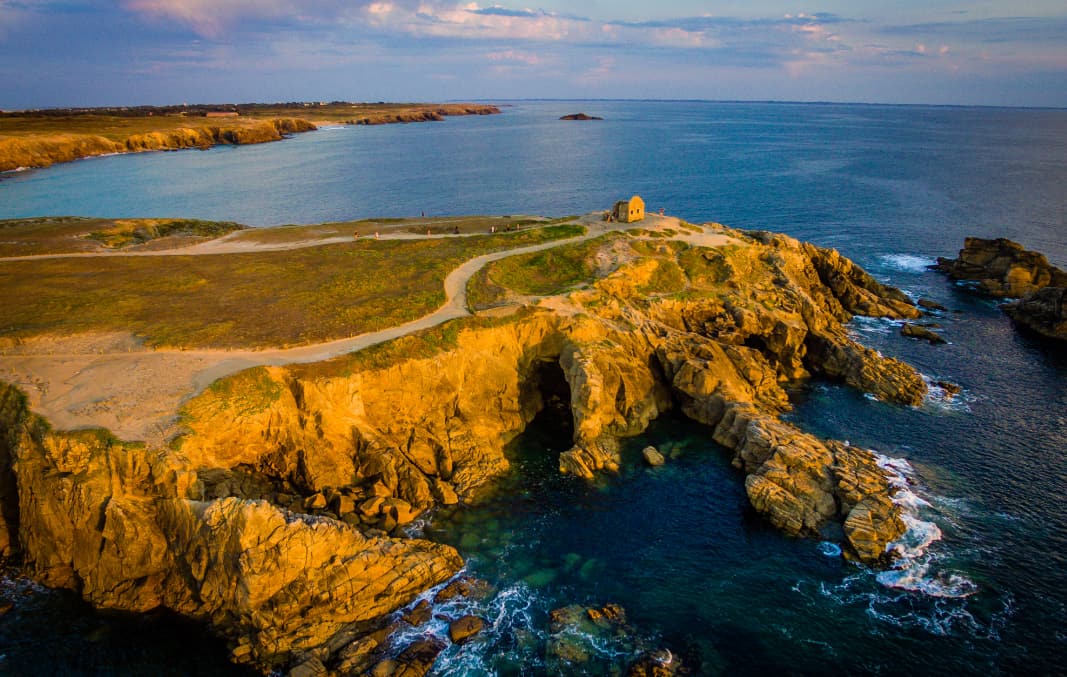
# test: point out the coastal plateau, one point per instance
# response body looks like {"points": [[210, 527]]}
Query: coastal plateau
{"points": [[286, 513], [43, 138]]}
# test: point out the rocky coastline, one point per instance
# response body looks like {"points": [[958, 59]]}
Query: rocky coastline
{"points": [[282, 516], [1005, 269], [36, 150]]}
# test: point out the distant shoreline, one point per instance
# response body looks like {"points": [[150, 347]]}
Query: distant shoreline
{"points": [[36, 139]]}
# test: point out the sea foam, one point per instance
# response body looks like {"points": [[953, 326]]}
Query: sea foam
{"points": [[907, 263], [915, 568]]}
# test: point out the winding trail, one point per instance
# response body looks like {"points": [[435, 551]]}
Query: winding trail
{"points": [[114, 381]]}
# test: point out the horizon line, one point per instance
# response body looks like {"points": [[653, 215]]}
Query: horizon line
{"points": [[561, 99]]}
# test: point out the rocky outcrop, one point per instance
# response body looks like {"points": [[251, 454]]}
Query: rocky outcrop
{"points": [[1005, 269], [1002, 268], [127, 528], [922, 333], [1044, 311], [280, 516], [580, 116]]}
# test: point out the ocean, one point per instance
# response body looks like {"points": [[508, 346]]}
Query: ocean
{"points": [[982, 588]]}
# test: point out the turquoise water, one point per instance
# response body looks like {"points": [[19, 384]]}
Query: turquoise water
{"points": [[892, 187]]}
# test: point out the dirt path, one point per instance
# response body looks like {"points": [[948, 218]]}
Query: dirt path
{"points": [[243, 241], [114, 381]]}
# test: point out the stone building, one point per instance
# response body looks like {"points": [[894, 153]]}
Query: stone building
{"points": [[629, 211]]}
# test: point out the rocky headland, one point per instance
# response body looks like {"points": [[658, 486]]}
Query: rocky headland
{"points": [[1004, 269], [47, 150], [42, 138], [283, 515]]}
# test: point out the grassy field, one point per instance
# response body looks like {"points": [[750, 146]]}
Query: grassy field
{"points": [[537, 274], [118, 124], [280, 298], [438, 225], [72, 234]]}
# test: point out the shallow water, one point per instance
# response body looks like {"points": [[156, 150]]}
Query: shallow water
{"points": [[892, 187]]}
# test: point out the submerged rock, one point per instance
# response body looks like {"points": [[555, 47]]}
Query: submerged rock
{"points": [[922, 333], [462, 629], [653, 457], [414, 661], [657, 663], [420, 614], [930, 304]]}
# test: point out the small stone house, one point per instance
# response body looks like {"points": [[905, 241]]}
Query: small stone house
{"points": [[629, 211]]}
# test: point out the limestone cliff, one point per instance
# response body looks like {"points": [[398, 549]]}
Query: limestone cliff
{"points": [[279, 516], [1005, 269]]}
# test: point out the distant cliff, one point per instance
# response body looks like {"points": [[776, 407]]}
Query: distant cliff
{"points": [[426, 114], [43, 150], [22, 146]]}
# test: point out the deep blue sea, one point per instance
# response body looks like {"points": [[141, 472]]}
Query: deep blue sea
{"points": [[984, 588]]}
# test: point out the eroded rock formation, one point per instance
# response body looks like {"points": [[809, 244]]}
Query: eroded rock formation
{"points": [[1005, 269], [279, 516]]}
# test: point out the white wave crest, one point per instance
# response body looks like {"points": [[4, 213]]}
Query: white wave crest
{"points": [[914, 568], [908, 263], [861, 324], [938, 398], [830, 549]]}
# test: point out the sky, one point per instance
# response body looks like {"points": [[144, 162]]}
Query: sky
{"points": [[56, 53]]}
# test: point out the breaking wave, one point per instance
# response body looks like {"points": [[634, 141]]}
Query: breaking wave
{"points": [[907, 263], [920, 590]]}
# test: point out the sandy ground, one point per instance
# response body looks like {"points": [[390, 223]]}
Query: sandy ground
{"points": [[113, 381]]}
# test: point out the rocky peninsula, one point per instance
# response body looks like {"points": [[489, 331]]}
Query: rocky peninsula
{"points": [[1004, 269], [41, 138], [281, 515]]}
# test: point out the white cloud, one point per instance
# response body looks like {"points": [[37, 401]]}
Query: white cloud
{"points": [[514, 56]]}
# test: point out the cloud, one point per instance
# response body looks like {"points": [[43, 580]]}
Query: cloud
{"points": [[212, 18], [497, 10], [514, 56], [1028, 30]]}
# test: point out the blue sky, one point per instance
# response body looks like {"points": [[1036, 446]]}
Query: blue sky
{"points": [[125, 52]]}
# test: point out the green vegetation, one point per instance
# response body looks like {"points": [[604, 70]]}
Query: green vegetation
{"points": [[134, 232], [248, 392], [668, 278], [116, 124], [552, 271], [73, 234], [257, 299], [707, 267]]}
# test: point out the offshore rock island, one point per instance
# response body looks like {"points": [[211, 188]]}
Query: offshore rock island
{"points": [[280, 512], [1004, 269], [40, 138]]}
